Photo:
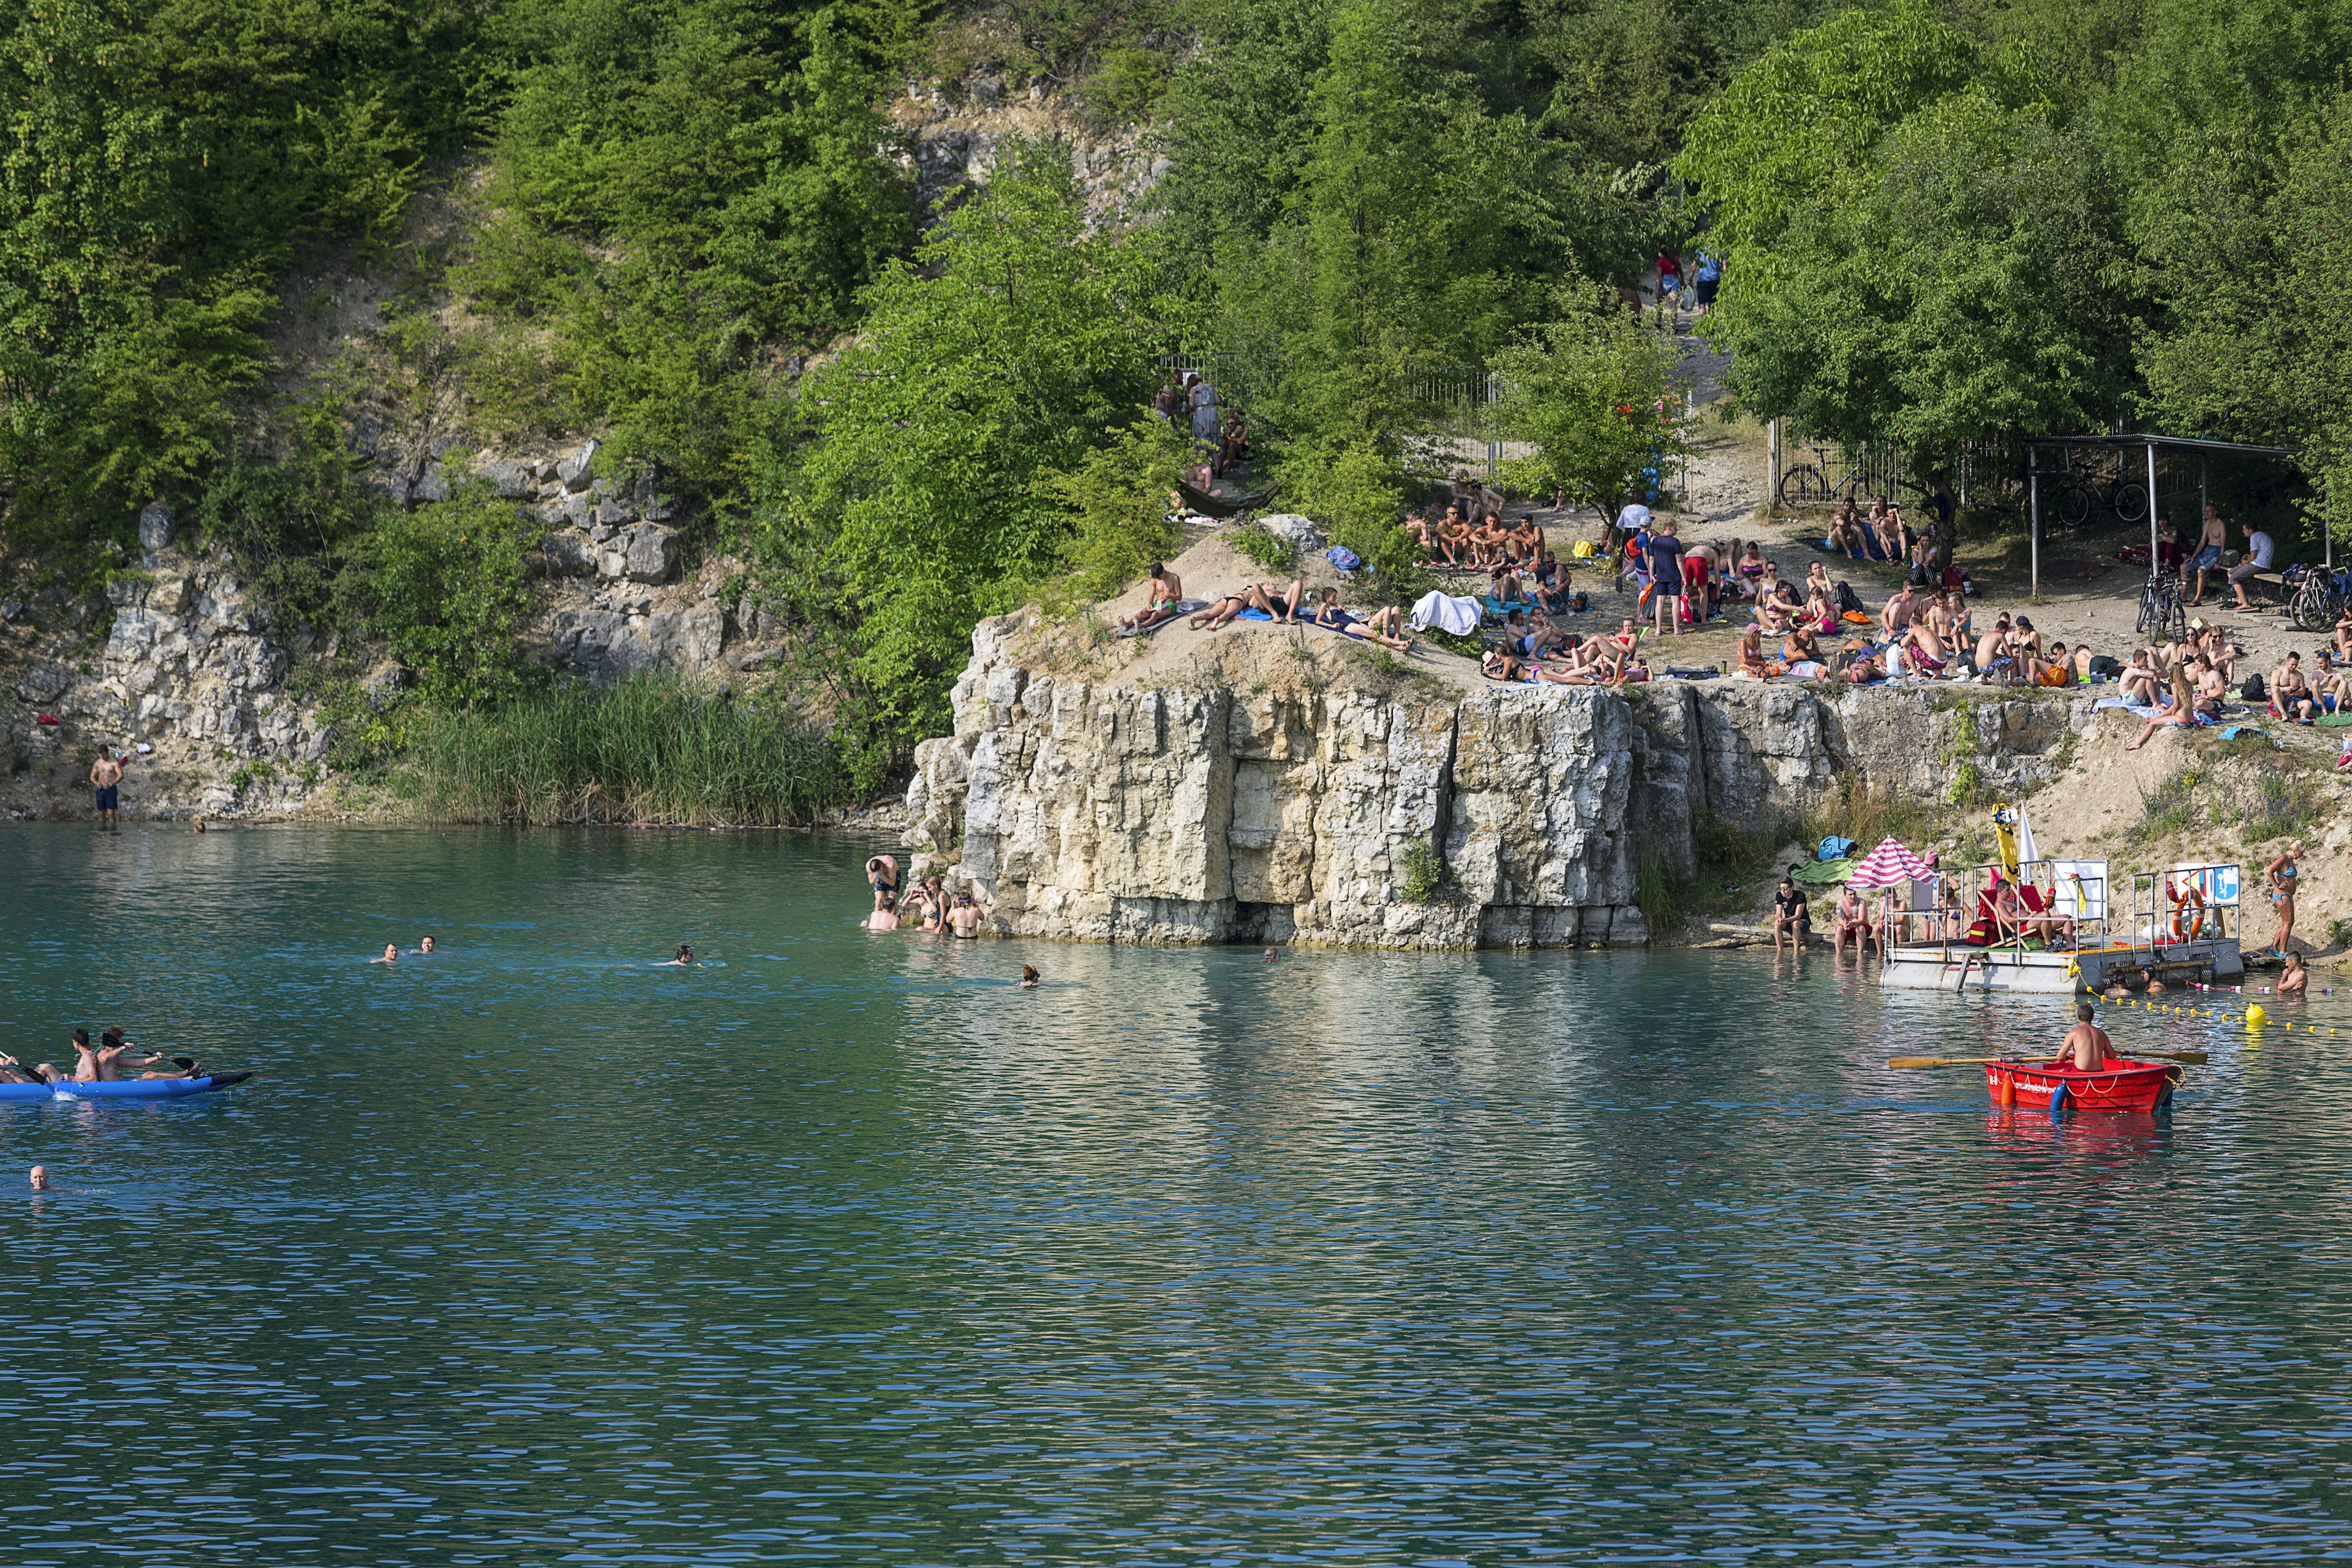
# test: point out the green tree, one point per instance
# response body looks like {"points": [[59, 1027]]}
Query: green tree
{"points": [[443, 585], [1115, 505], [1593, 392], [1015, 344], [1795, 131], [690, 189], [1975, 285]]}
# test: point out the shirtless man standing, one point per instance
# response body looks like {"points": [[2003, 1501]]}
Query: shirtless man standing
{"points": [[2087, 1043], [105, 780]]}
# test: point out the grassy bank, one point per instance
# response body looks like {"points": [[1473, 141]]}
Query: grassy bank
{"points": [[654, 749]]}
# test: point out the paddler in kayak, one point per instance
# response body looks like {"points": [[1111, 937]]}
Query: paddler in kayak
{"points": [[2087, 1047]]}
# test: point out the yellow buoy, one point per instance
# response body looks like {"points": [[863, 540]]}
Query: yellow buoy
{"points": [[2255, 1017]]}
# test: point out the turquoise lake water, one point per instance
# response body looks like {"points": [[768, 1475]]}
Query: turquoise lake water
{"points": [[846, 1250]]}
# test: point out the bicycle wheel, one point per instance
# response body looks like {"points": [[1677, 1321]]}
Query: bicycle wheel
{"points": [[1804, 485], [2314, 608], [2074, 506], [2151, 610], [2130, 501]]}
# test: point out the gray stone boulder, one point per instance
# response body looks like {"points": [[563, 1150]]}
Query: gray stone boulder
{"points": [[168, 595], [42, 683], [575, 470], [571, 554], [688, 641], [651, 503], [155, 524], [431, 486], [1300, 531], [512, 480], [651, 553]]}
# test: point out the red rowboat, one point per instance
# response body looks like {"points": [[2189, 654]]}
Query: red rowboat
{"points": [[2126, 1086]]}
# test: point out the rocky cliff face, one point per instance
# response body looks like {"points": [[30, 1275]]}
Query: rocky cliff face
{"points": [[190, 667], [1124, 813]]}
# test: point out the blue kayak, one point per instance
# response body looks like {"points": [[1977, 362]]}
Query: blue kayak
{"points": [[129, 1089]]}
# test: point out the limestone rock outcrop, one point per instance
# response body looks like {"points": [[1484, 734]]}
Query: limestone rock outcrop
{"points": [[1123, 814]]}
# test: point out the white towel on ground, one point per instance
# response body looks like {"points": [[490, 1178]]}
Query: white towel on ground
{"points": [[1446, 612]]}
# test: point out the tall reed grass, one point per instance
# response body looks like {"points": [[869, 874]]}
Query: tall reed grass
{"points": [[655, 748]]}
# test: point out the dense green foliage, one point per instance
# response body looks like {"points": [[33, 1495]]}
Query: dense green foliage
{"points": [[1014, 345], [1941, 226], [1942, 220], [1591, 392], [681, 189], [652, 748], [158, 167]]}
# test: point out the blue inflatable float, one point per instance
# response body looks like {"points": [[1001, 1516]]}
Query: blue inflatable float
{"points": [[129, 1089]]}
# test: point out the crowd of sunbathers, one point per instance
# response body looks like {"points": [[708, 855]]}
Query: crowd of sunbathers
{"points": [[1285, 603], [1813, 627], [101, 1063]]}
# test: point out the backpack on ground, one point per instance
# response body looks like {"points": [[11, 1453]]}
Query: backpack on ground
{"points": [[2254, 691], [1833, 849], [1849, 602]]}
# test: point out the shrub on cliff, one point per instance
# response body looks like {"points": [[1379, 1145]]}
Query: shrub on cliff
{"points": [[443, 587], [1115, 504]]}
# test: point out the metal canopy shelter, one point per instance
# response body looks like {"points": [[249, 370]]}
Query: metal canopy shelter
{"points": [[2151, 445]]}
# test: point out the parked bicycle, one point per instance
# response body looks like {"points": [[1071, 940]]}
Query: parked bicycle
{"points": [[2072, 498], [2318, 596], [1809, 484], [2163, 615]]}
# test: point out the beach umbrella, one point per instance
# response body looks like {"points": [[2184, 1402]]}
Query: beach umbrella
{"points": [[1888, 865]]}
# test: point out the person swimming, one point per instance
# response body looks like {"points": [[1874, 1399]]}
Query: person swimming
{"points": [[425, 946], [391, 953], [40, 1178], [1028, 977], [684, 957]]}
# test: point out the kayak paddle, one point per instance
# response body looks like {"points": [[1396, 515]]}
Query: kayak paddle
{"points": [[2193, 1058]]}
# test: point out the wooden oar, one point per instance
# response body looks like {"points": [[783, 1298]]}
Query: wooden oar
{"points": [[2193, 1058]]}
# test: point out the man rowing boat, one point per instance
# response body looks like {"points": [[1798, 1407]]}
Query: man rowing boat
{"points": [[2086, 1043]]}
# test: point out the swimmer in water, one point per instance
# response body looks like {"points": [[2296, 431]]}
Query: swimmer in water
{"points": [[390, 955], [684, 957], [1028, 977], [425, 946], [40, 1178], [199, 827], [886, 913], [1272, 956]]}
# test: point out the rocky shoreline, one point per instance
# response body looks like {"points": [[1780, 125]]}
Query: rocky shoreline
{"points": [[1501, 817]]}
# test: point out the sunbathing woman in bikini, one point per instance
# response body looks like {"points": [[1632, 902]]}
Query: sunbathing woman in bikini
{"points": [[1384, 626], [1275, 599]]}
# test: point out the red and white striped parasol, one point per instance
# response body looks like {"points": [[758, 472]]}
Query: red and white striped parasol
{"points": [[1888, 865]]}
